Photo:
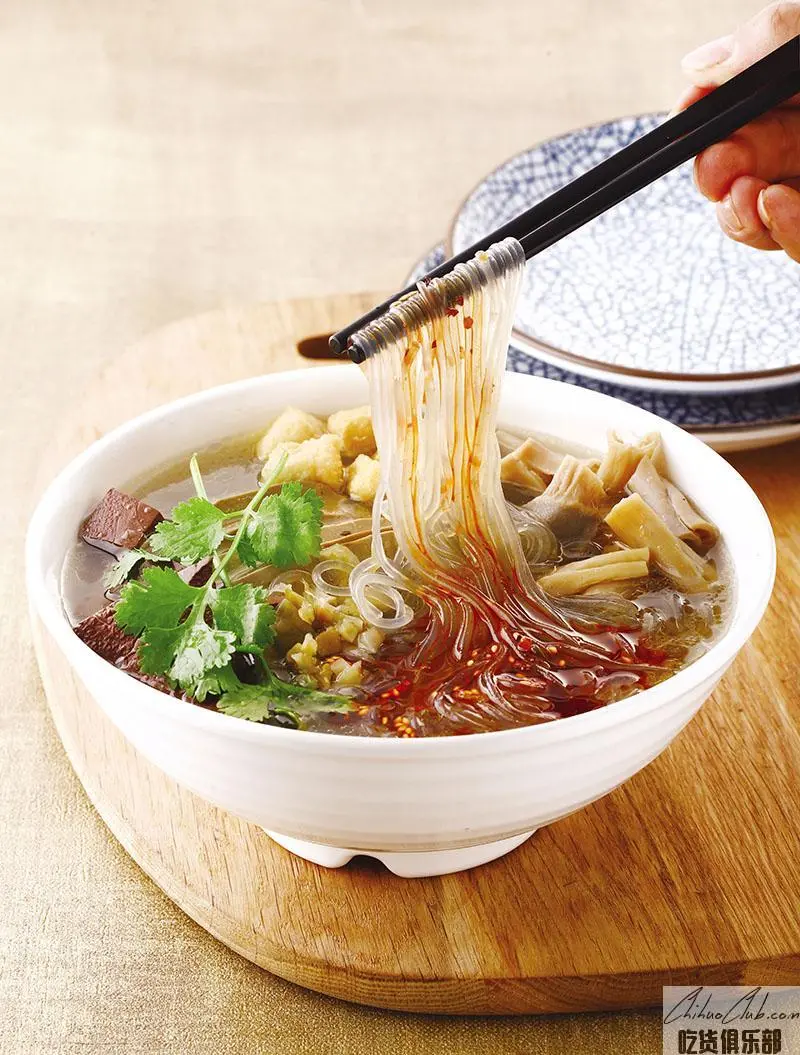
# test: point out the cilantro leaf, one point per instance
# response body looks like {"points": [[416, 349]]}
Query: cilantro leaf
{"points": [[157, 648], [184, 653], [118, 572], [159, 599], [245, 612], [252, 702], [193, 655], [200, 649], [256, 703], [310, 701], [215, 682], [285, 530], [189, 633], [194, 530]]}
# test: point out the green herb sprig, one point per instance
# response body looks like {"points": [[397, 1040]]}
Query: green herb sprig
{"points": [[190, 634]]}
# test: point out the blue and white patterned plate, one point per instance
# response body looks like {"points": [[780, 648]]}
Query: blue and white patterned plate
{"points": [[651, 293], [763, 410]]}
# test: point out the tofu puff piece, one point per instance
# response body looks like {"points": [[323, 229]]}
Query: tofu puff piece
{"points": [[293, 426], [362, 478], [314, 461], [354, 429]]}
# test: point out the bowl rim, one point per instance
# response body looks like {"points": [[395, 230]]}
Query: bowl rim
{"points": [[639, 377], [745, 616]]}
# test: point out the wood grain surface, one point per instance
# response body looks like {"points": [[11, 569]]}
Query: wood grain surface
{"points": [[690, 872]]}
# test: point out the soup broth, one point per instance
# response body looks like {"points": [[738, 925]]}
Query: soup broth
{"points": [[674, 628]]}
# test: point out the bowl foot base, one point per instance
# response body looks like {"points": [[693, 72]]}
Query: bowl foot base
{"points": [[409, 864]]}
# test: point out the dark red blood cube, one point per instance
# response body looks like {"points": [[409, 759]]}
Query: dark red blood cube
{"points": [[119, 522], [130, 664], [103, 636], [197, 574]]}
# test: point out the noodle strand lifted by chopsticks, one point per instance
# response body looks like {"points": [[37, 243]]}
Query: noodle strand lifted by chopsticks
{"points": [[494, 643]]}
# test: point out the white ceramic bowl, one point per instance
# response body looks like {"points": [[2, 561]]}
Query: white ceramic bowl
{"points": [[386, 795]]}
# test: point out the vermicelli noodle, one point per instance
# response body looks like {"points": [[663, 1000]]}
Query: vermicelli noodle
{"points": [[495, 644]]}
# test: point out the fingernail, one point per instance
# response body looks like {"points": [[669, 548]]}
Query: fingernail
{"points": [[763, 211], [729, 216], [711, 54]]}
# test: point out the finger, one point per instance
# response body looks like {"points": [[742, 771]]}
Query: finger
{"points": [[779, 209], [718, 61], [691, 95], [738, 214], [768, 148]]}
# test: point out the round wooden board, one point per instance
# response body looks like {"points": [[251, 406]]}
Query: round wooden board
{"points": [[688, 873]]}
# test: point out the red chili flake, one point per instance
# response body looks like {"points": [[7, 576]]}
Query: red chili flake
{"points": [[468, 323], [433, 344], [460, 301], [452, 311], [652, 656], [525, 644]]}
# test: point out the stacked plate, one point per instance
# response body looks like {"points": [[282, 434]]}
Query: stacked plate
{"points": [[649, 302]]}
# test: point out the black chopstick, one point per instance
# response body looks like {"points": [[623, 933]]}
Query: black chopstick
{"points": [[770, 81]]}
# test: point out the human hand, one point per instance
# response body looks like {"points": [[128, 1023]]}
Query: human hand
{"points": [[754, 176]]}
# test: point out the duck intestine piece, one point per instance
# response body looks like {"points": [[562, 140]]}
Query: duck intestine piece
{"points": [[573, 503], [698, 532], [619, 463], [651, 482], [615, 565], [520, 467], [637, 524]]}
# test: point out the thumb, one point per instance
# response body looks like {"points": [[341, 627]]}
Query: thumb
{"points": [[779, 209], [718, 61]]}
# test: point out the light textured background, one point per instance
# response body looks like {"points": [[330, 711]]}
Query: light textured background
{"points": [[159, 159]]}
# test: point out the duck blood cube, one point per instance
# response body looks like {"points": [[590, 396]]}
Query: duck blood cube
{"points": [[196, 574], [118, 522], [130, 664], [103, 636]]}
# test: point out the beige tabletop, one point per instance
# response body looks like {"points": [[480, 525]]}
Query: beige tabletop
{"points": [[161, 159]]}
